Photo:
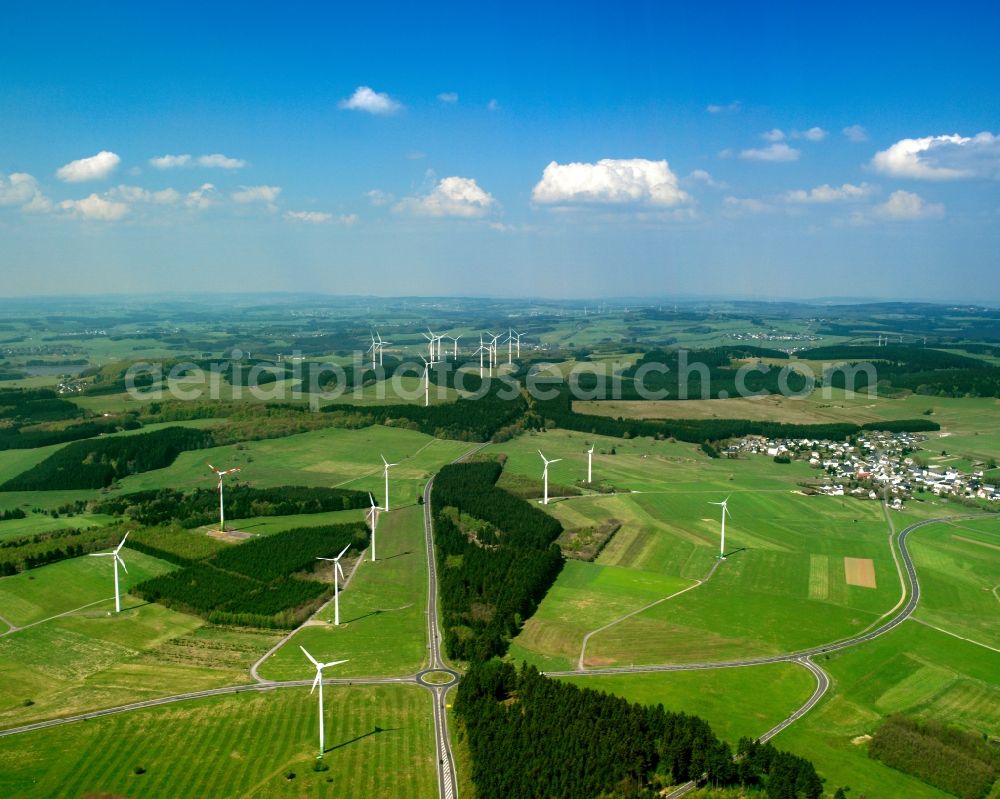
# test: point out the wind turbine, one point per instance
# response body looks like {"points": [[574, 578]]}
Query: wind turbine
{"points": [[590, 464], [381, 348], [319, 681], [455, 339], [385, 473], [479, 352], [725, 512], [373, 516], [118, 559], [373, 349], [337, 572], [222, 513], [545, 476], [427, 384]]}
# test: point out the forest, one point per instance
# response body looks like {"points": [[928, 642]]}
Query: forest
{"points": [[98, 463], [599, 746], [193, 509], [257, 584], [40, 549], [955, 761], [489, 588]]}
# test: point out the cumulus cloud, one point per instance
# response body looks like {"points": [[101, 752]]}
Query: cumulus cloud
{"points": [[96, 167], [448, 97], [701, 176], [378, 198], [729, 108], [905, 205], [213, 161], [855, 134], [454, 196], [20, 188], [775, 134], [778, 151], [95, 208], [739, 206], [203, 197], [371, 101], [257, 194], [813, 134], [313, 217], [942, 157], [830, 194], [609, 181], [137, 194]]}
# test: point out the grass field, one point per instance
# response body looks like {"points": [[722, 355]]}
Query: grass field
{"points": [[736, 702], [379, 744], [382, 612], [776, 540]]}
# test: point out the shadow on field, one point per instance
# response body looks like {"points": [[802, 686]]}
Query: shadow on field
{"points": [[397, 555], [733, 552], [376, 731]]}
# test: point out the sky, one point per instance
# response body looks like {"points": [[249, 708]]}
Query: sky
{"points": [[564, 150]]}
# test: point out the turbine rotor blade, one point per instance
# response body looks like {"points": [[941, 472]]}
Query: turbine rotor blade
{"points": [[342, 553], [311, 658], [121, 562], [333, 663], [319, 676]]}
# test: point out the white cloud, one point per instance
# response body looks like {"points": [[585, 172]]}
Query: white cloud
{"points": [[701, 176], [813, 134], [905, 205], [313, 217], [20, 188], [257, 194], [367, 99], [96, 167], [448, 97], [609, 181], [213, 161], [378, 198], [137, 194], [202, 197], [746, 205], [855, 134], [775, 134], [170, 161], [942, 157], [775, 152], [220, 161], [95, 208], [452, 196], [829, 194], [729, 108]]}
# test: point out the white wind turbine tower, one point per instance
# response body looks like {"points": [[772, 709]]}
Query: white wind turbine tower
{"points": [[725, 513], [220, 473], [381, 346], [545, 476], [427, 383], [373, 517], [433, 345], [385, 473], [590, 464], [319, 682], [455, 339], [479, 352], [338, 574], [373, 349], [115, 553]]}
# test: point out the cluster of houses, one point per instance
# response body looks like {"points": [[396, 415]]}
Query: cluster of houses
{"points": [[875, 465], [757, 335]]}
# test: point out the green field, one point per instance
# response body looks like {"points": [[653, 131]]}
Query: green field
{"points": [[736, 702], [382, 612], [379, 744]]}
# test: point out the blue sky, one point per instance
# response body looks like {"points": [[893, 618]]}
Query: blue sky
{"points": [[577, 150]]}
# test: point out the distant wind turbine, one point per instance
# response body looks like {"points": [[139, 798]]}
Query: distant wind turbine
{"points": [[319, 682], [385, 473], [590, 464], [373, 519], [427, 382], [222, 513], [725, 513], [338, 574], [115, 553], [545, 476]]}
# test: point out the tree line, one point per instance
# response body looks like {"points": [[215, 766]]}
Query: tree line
{"points": [[532, 736]]}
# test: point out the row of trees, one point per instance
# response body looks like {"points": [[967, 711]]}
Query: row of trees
{"points": [[488, 589], [98, 463], [255, 584], [955, 761], [35, 405], [162, 506], [29, 552], [533, 736], [20, 438]]}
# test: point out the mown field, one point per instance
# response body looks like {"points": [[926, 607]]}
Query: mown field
{"points": [[379, 744], [383, 630]]}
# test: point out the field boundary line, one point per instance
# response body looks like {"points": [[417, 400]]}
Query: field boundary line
{"points": [[587, 637], [899, 571], [14, 628], [953, 635], [377, 470]]}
